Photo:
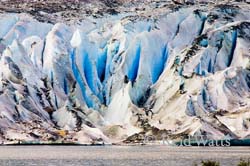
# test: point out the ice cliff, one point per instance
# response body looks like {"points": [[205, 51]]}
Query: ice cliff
{"points": [[177, 69]]}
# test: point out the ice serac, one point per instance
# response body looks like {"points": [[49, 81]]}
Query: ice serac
{"points": [[182, 70]]}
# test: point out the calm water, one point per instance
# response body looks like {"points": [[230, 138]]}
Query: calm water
{"points": [[118, 155]]}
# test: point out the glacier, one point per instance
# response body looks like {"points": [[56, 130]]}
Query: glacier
{"points": [[181, 71]]}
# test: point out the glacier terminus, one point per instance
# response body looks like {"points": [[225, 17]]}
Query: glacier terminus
{"points": [[112, 72]]}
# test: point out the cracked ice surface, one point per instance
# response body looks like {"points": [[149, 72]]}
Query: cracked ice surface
{"points": [[183, 72]]}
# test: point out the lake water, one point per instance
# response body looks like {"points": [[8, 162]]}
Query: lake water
{"points": [[118, 155]]}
